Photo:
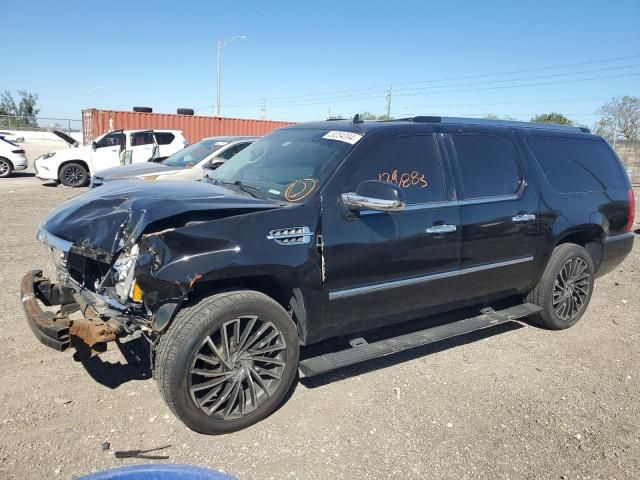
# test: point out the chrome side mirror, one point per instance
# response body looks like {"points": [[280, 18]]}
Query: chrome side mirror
{"points": [[375, 195]]}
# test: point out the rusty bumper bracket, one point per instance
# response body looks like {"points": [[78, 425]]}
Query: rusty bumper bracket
{"points": [[54, 331]]}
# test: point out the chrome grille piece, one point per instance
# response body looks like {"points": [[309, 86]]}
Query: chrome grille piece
{"points": [[291, 236]]}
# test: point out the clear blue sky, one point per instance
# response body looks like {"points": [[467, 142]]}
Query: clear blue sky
{"points": [[118, 54]]}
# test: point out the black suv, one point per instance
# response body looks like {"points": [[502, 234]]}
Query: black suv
{"points": [[328, 229]]}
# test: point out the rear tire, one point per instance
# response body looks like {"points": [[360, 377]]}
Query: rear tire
{"points": [[565, 288], [6, 168], [74, 175], [227, 361]]}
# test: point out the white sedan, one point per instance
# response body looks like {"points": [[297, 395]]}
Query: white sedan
{"points": [[12, 158]]}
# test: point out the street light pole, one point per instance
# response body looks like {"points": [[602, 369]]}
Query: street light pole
{"points": [[222, 43]]}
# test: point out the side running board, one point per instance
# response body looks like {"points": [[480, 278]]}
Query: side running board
{"points": [[362, 351]]}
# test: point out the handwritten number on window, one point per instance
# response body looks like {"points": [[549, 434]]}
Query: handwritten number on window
{"points": [[404, 180]]}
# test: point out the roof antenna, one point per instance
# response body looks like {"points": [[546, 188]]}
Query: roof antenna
{"points": [[356, 119]]}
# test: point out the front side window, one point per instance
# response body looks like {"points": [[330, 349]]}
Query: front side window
{"points": [[232, 151], [114, 139], [289, 164], [487, 163], [411, 162], [195, 153]]}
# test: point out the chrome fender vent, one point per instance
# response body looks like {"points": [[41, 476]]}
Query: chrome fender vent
{"points": [[291, 236]]}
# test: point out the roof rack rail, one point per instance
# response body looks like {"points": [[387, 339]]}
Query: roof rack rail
{"points": [[486, 121]]}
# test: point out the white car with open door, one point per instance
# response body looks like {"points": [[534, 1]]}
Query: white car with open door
{"points": [[191, 163], [72, 167]]}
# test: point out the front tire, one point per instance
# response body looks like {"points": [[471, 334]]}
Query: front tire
{"points": [[6, 168], [565, 288], [74, 175], [227, 361]]}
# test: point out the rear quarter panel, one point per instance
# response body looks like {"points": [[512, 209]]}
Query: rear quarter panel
{"points": [[602, 213]]}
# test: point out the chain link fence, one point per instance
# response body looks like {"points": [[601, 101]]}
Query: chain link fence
{"points": [[39, 124]]}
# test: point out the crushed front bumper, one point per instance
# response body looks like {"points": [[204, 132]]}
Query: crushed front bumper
{"points": [[57, 330]]}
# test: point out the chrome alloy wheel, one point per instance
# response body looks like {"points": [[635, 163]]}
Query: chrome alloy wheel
{"points": [[237, 367], [73, 175], [571, 289]]}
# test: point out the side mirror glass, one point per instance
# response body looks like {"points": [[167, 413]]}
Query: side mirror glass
{"points": [[94, 145], [375, 195]]}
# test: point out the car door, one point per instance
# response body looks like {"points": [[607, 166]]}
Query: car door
{"points": [[106, 151], [499, 214], [142, 146], [384, 267]]}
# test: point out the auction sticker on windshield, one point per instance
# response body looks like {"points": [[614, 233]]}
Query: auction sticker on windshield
{"points": [[347, 137]]}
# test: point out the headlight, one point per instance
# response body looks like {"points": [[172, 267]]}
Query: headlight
{"points": [[47, 155], [123, 269]]}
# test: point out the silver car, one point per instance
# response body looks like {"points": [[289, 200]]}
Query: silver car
{"points": [[191, 163]]}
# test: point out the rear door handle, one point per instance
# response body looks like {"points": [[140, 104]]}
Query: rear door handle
{"points": [[524, 217], [440, 229]]}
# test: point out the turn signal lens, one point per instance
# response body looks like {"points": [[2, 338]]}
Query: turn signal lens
{"points": [[136, 293]]}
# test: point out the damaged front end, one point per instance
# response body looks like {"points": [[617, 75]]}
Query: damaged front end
{"points": [[117, 275], [100, 293]]}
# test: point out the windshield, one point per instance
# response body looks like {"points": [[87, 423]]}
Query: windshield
{"points": [[289, 164], [189, 156]]}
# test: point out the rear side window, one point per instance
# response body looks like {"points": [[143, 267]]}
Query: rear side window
{"points": [[164, 138], [410, 162], [488, 165], [577, 165], [141, 138]]}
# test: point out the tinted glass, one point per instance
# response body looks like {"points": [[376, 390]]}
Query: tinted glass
{"points": [[141, 138], [111, 140], [189, 156], [164, 138], [288, 164], [232, 151], [410, 162], [487, 163], [577, 165]]}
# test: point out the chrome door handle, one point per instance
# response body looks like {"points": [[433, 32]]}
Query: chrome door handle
{"points": [[439, 229], [525, 217]]}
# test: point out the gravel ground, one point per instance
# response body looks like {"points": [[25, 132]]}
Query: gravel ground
{"points": [[513, 402]]}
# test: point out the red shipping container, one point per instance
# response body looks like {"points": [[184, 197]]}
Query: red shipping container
{"points": [[96, 122]]}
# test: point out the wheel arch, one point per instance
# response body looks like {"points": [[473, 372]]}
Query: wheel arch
{"points": [[590, 237], [78, 161], [290, 298], [8, 160]]}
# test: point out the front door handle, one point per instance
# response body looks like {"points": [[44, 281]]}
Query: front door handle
{"points": [[524, 217], [440, 229]]}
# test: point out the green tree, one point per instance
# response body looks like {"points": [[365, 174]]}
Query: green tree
{"points": [[620, 118], [371, 116], [26, 109], [552, 117], [493, 116]]}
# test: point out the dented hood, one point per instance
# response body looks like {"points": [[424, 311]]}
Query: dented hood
{"points": [[102, 221]]}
